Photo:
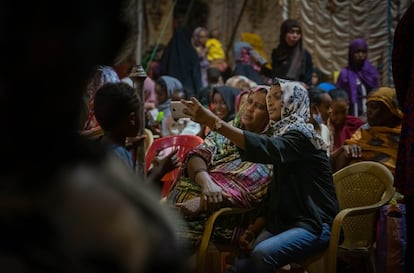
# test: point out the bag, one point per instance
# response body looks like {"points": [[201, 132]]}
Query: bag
{"points": [[391, 238]]}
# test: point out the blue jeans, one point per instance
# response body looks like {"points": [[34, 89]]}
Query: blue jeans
{"points": [[271, 252]]}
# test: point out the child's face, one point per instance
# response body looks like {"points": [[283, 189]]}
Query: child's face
{"points": [[339, 112], [161, 94], [219, 106], [325, 106]]}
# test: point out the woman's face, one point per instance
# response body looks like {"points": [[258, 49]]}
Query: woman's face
{"points": [[339, 112], [325, 106], [274, 102], [254, 115], [161, 93], [219, 106], [378, 114], [293, 36], [360, 54]]}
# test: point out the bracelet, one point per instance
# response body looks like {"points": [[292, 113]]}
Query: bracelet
{"points": [[218, 123], [198, 171]]}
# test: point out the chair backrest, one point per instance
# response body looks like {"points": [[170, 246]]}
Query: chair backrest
{"points": [[149, 139], [184, 143], [358, 185]]}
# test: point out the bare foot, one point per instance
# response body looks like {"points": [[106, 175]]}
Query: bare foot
{"points": [[190, 208]]}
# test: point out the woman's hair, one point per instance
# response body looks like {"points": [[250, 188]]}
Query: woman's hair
{"points": [[315, 95], [339, 94], [287, 26], [113, 102]]}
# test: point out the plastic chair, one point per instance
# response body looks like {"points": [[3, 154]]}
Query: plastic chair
{"points": [[165, 145], [201, 254], [149, 139], [361, 188]]}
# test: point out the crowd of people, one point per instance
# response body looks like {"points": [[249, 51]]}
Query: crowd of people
{"points": [[273, 135]]}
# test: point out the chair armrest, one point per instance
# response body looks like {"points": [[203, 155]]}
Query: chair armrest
{"points": [[208, 230], [367, 209], [337, 225]]}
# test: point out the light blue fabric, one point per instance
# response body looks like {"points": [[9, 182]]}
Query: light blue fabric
{"points": [[271, 252], [123, 154]]}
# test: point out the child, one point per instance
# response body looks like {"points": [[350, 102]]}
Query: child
{"points": [[117, 110], [342, 125]]}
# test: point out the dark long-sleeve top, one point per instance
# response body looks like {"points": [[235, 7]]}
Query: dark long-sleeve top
{"points": [[280, 68], [301, 193]]}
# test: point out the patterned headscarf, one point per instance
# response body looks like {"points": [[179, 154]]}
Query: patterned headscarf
{"points": [[296, 112]]}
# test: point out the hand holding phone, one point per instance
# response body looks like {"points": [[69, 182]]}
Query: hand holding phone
{"points": [[177, 109]]}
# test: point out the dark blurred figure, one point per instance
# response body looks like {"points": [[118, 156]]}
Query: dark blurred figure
{"points": [[180, 60], [65, 204], [403, 74]]}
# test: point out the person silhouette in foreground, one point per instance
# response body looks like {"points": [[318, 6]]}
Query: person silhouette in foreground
{"points": [[66, 204]]}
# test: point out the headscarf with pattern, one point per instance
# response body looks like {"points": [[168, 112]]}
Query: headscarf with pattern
{"points": [[295, 112]]}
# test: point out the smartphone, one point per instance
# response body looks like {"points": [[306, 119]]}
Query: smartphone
{"points": [[177, 109]]}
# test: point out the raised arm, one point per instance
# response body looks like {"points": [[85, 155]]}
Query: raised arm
{"points": [[204, 116]]}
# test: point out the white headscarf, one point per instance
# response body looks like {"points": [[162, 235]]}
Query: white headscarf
{"points": [[296, 112]]}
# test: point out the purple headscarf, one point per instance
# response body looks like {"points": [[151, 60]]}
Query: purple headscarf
{"points": [[366, 72]]}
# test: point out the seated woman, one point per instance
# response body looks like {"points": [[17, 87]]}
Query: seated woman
{"points": [[214, 174], [216, 168], [301, 204], [378, 139]]}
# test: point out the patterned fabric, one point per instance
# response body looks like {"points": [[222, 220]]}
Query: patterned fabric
{"points": [[244, 181], [296, 113], [403, 73], [378, 143]]}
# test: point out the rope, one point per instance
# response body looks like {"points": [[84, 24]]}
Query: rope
{"points": [[161, 35]]}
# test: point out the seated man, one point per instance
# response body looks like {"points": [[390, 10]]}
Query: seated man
{"points": [[378, 139]]}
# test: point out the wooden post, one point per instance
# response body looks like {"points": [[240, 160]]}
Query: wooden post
{"points": [[138, 76]]}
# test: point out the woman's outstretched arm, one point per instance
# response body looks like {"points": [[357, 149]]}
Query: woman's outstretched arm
{"points": [[202, 115]]}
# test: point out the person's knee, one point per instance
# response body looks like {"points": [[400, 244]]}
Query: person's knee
{"points": [[261, 259]]}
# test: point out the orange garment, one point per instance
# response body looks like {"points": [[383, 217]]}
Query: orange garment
{"points": [[378, 143]]}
